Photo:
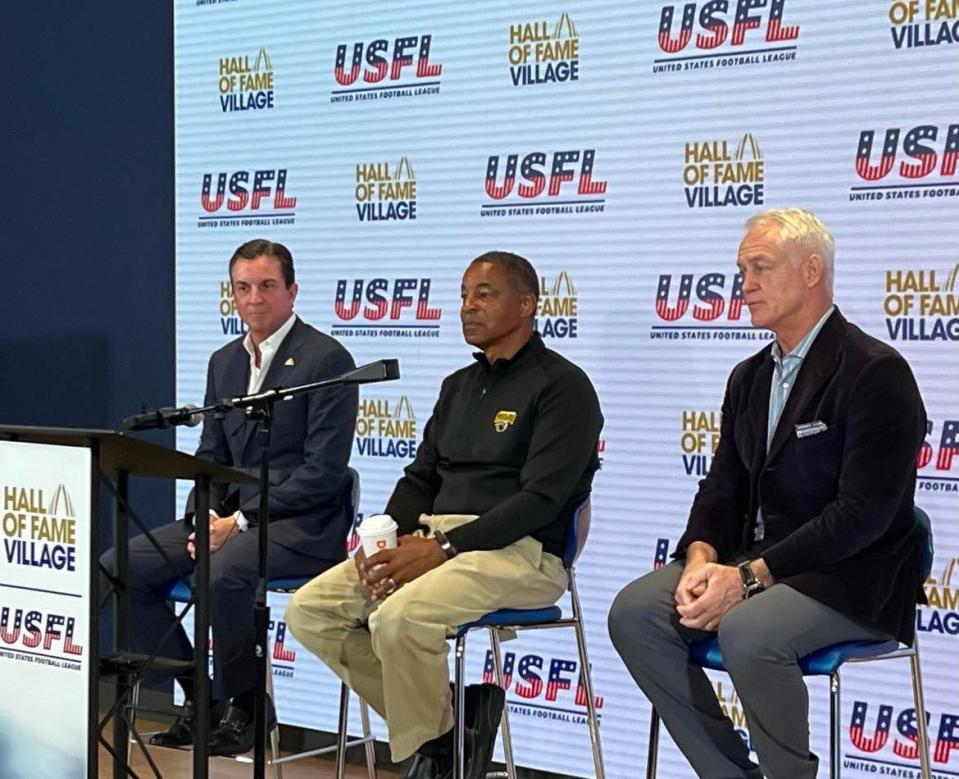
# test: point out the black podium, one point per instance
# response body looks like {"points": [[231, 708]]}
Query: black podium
{"points": [[114, 458]]}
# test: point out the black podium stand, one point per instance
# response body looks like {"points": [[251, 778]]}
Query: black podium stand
{"points": [[115, 457]]}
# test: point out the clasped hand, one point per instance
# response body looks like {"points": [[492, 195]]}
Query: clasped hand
{"points": [[706, 591], [390, 569], [222, 529]]}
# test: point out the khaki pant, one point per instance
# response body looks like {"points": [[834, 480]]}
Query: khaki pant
{"points": [[393, 653]]}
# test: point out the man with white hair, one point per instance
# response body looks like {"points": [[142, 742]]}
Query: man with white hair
{"points": [[807, 506]]}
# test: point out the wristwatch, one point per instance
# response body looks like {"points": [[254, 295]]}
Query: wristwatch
{"points": [[751, 585], [448, 549]]}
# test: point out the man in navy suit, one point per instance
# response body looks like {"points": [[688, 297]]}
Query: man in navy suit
{"points": [[308, 510], [802, 534]]}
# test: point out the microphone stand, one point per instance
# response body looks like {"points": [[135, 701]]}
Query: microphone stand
{"points": [[261, 406]]}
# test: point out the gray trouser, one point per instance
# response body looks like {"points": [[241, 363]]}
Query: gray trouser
{"points": [[760, 639]]}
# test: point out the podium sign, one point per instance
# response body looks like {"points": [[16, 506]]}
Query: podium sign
{"points": [[45, 610]]}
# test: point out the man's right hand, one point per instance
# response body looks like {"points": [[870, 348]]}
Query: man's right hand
{"points": [[691, 584]]}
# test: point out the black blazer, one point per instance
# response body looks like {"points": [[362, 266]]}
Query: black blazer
{"points": [[838, 504], [310, 444]]}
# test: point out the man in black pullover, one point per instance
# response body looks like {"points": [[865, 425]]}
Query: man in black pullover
{"points": [[482, 511]]}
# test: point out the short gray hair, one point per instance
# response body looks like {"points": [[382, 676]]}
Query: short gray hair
{"points": [[799, 233]]}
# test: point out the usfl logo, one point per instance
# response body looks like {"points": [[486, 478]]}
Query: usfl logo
{"points": [[246, 83], [246, 198], [755, 34], [543, 53], [374, 70], [936, 461], [870, 726], [542, 183], [542, 687], [927, 155], [385, 307], [714, 314]]}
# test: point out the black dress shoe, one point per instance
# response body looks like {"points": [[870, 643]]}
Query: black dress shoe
{"points": [[180, 733], [484, 709], [234, 734], [426, 767]]}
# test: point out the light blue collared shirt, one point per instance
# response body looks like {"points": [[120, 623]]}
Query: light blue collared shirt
{"points": [[785, 370]]}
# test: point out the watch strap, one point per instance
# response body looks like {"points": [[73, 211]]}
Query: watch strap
{"points": [[448, 549]]}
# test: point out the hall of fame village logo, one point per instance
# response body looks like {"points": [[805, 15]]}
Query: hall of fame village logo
{"points": [[388, 308], [715, 177], [941, 615], [556, 314], [923, 23], [246, 198], [541, 53], [698, 440], [383, 64], [246, 83], [569, 186], [386, 428], [927, 170], [757, 35], [39, 532], [937, 463], [715, 315], [922, 304], [543, 687], [230, 321], [385, 192]]}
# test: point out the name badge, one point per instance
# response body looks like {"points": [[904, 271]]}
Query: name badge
{"points": [[811, 428]]}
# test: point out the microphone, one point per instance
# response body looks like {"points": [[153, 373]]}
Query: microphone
{"points": [[378, 370], [163, 417]]}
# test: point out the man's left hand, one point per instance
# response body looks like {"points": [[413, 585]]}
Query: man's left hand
{"points": [[723, 590], [390, 569], [222, 529]]}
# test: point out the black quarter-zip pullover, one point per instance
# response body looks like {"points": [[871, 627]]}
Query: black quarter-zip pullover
{"points": [[514, 442]]}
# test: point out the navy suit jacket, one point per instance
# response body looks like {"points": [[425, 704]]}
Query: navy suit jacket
{"points": [[838, 504], [310, 443]]}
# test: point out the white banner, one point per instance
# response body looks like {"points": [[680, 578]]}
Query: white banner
{"points": [[44, 611], [620, 147]]}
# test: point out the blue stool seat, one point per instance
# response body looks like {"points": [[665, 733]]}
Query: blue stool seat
{"points": [[822, 662], [508, 617], [179, 590]]}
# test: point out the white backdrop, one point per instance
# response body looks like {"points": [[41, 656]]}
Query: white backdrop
{"points": [[620, 146]]}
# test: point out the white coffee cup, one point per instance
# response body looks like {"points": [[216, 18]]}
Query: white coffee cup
{"points": [[376, 533]]}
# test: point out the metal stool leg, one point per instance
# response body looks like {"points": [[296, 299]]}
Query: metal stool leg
{"points": [[368, 740], [835, 714], [922, 735], [275, 733], [459, 704], [587, 679], [504, 722], [341, 732], [652, 755]]}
